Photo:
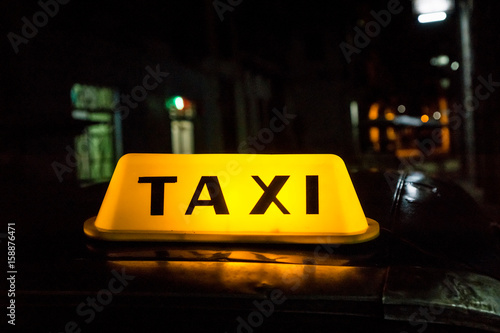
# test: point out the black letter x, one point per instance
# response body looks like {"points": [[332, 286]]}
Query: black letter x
{"points": [[269, 196]]}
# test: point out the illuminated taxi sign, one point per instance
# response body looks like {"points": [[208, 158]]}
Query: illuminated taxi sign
{"points": [[231, 198]]}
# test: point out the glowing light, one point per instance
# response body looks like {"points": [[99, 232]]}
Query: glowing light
{"points": [[354, 113], [91, 116], [390, 116], [445, 83], [440, 61], [436, 115], [454, 65], [432, 17], [401, 109], [431, 6], [375, 138], [179, 103], [231, 198], [373, 113], [391, 133], [424, 118], [445, 139], [443, 109]]}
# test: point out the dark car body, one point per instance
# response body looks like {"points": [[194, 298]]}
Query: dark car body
{"points": [[435, 267]]}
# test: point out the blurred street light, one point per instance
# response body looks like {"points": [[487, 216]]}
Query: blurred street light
{"points": [[432, 10], [432, 17]]}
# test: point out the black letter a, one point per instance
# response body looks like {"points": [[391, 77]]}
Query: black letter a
{"points": [[216, 196]]}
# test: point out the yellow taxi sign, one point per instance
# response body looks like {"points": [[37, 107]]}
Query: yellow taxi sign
{"points": [[231, 198]]}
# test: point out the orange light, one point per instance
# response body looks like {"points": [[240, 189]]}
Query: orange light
{"points": [[373, 113], [443, 108], [391, 133], [445, 139], [375, 138], [231, 198], [424, 118]]}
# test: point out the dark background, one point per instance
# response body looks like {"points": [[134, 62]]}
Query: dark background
{"points": [[292, 46]]}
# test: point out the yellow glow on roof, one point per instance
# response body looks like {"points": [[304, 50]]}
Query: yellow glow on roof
{"points": [[231, 197]]}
